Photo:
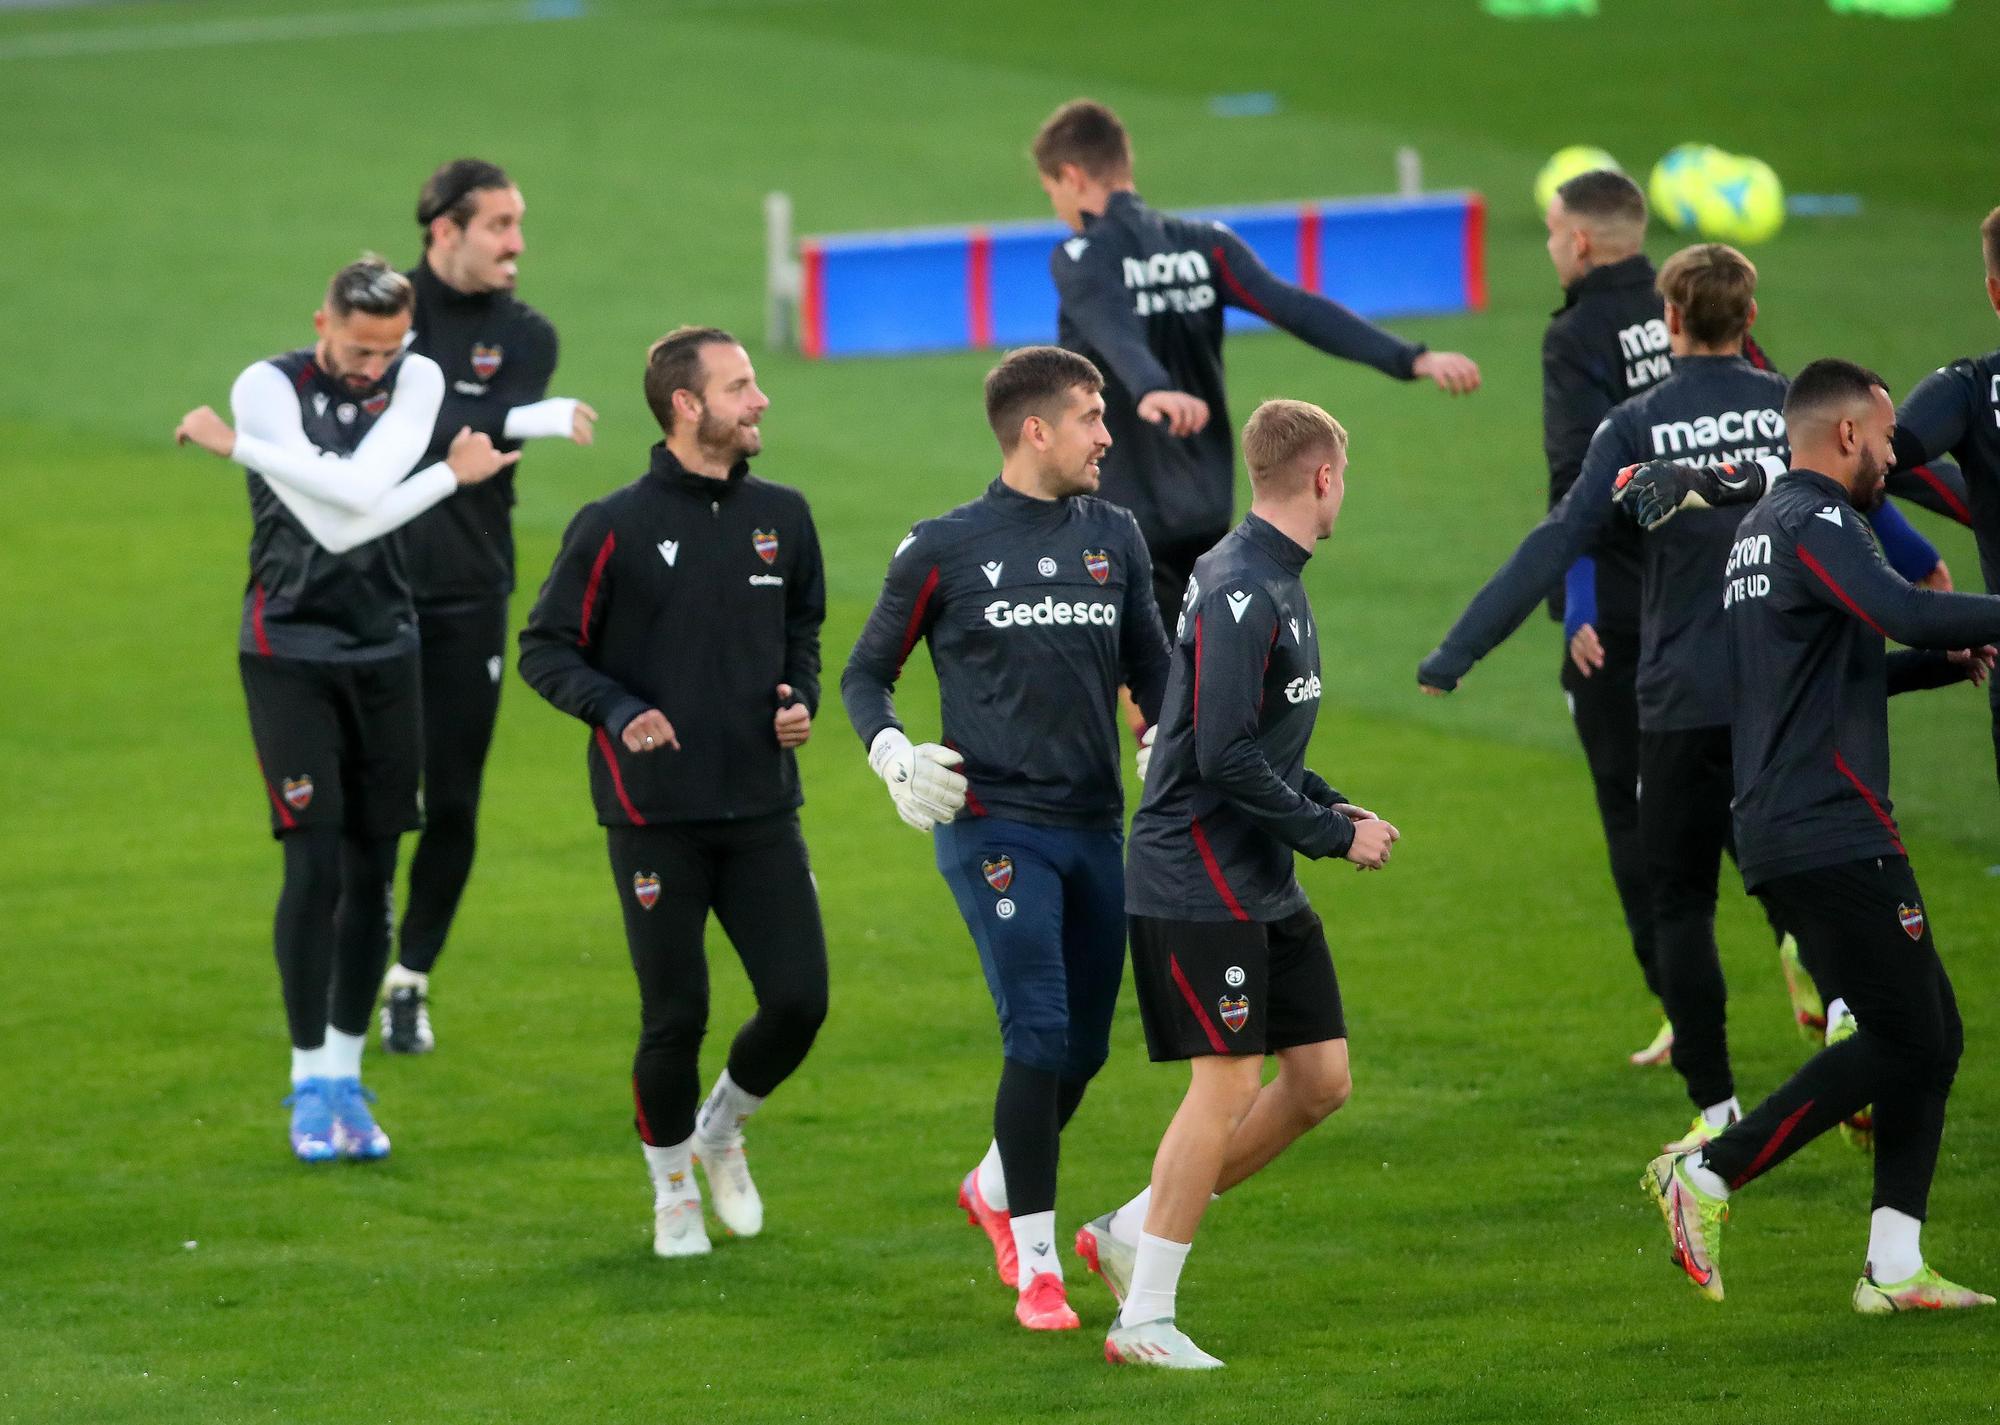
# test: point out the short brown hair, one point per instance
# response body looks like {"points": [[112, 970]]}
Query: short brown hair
{"points": [[1280, 435], [1989, 242], [1604, 196], [1087, 134], [453, 192], [1034, 381], [1713, 286], [369, 284], [673, 363]]}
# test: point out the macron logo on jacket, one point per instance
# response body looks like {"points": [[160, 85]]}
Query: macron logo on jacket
{"points": [[670, 550]]}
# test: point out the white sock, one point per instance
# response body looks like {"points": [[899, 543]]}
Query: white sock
{"points": [[993, 1179], [1130, 1220], [1156, 1276], [399, 978], [669, 1167], [1893, 1251], [1721, 1115], [343, 1054], [722, 1113], [308, 1064], [1035, 1245], [1705, 1177]]}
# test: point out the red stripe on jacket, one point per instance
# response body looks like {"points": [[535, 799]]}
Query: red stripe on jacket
{"points": [[1888, 822], [590, 589], [1805, 557], [1215, 870], [617, 779]]}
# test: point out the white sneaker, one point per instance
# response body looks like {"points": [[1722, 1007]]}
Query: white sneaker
{"points": [[678, 1230], [730, 1191], [1156, 1343]]}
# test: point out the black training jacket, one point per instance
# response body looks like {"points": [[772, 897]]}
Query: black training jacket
{"points": [[697, 597], [1712, 410], [1142, 294], [497, 352], [1956, 410], [1809, 600], [1228, 798], [1035, 612]]}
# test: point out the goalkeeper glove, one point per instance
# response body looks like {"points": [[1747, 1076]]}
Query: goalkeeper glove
{"points": [[921, 781], [1654, 492], [1144, 759]]}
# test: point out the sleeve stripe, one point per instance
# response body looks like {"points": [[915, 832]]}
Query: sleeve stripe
{"points": [[1944, 492], [1805, 557], [590, 589], [915, 628], [1229, 280]]}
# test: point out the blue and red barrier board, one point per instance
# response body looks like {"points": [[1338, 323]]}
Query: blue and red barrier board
{"points": [[950, 289]]}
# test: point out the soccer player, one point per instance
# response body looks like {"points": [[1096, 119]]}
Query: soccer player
{"points": [[1717, 406], [1037, 602], [328, 656], [1607, 343], [1230, 959], [681, 624], [497, 354], [1809, 603], [1142, 295], [1956, 409]]}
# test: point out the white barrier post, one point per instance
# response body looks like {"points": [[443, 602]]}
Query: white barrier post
{"points": [[1409, 172], [781, 275]]}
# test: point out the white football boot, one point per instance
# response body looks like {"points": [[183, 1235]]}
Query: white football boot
{"points": [[1156, 1343], [678, 1229], [730, 1191]]}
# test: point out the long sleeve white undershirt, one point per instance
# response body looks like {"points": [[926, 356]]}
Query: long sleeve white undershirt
{"points": [[343, 501]]}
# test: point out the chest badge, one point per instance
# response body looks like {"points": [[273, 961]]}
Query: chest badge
{"points": [[765, 542], [999, 873], [991, 569], [485, 360], [1911, 916], [670, 550], [376, 404], [1097, 564]]}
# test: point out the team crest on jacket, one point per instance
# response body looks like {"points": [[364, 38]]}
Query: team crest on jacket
{"points": [[645, 888], [1098, 563], [485, 360], [765, 542], [1235, 1011], [298, 792], [376, 404], [1912, 917], [999, 873]]}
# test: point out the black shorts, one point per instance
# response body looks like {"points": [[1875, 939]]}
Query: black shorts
{"points": [[339, 744], [1234, 986]]}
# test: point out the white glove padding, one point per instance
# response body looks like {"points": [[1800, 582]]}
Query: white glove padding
{"points": [[921, 781], [1144, 759]]}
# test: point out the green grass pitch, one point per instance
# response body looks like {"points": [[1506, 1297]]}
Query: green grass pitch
{"points": [[1465, 1242]]}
